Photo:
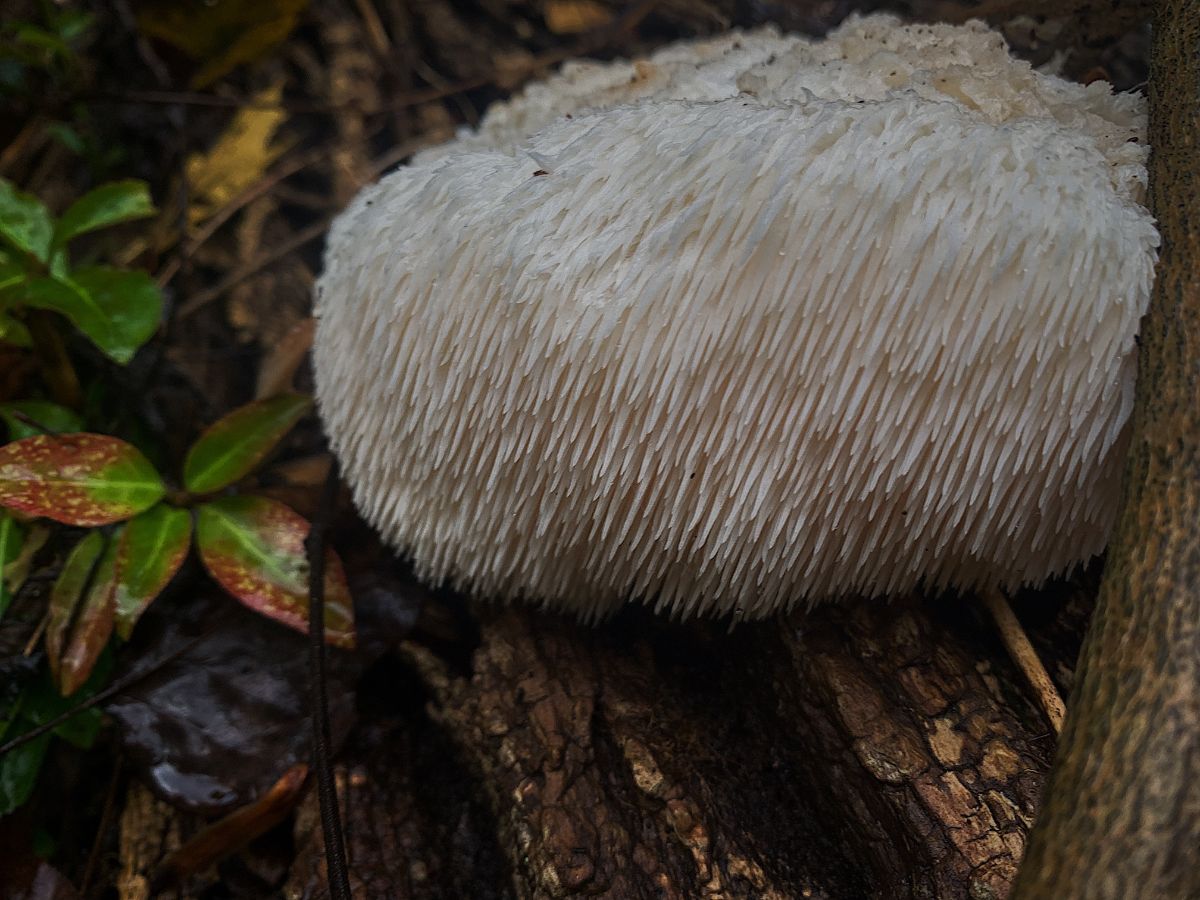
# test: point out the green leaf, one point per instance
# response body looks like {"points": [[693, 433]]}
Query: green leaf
{"points": [[72, 23], [78, 479], [25, 222], [68, 136], [254, 548], [234, 445], [12, 537], [50, 416], [82, 605], [13, 332], [19, 771], [38, 703], [118, 310], [153, 546], [34, 36], [16, 569], [109, 204], [11, 275], [41, 702]]}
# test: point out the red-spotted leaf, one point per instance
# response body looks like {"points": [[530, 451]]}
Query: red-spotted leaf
{"points": [[153, 546], [234, 445], [81, 611], [254, 548], [79, 479]]}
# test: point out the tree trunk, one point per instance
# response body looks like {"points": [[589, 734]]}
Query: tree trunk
{"points": [[1123, 815]]}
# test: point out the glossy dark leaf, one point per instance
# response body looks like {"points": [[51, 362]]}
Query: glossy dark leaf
{"points": [[109, 204], [25, 222], [19, 771], [254, 548], [234, 445], [79, 479], [117, 310], [213, 727]]}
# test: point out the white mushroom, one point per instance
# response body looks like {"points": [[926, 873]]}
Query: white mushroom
{"points": [[777, 321]]}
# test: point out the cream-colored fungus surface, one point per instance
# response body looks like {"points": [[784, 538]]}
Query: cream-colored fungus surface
{"points": [[759, 321]]}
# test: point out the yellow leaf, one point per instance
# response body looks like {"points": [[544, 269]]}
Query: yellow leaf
{"points": [[575, 16], [239, 157], [221, 34]]}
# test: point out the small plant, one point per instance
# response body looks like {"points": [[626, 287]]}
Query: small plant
{"points": [[141, 532], [48, 48], [117, 309]]}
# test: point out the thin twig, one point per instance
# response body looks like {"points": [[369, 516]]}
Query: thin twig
{"points": [[106, 818], [193, 242], [237, 276], [1021, 650], [331, 820], [590, 42], [112, 690], [300, 238]]}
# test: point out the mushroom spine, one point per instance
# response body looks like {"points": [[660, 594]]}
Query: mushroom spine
{"points": [[758, 321]]}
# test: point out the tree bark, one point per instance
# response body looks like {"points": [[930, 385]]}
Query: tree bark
{"points": [[883, 750], [1122, 818]]}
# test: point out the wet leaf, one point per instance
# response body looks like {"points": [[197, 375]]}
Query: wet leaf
{"points": [[79, 479], [152, 548], [25, 222], [18, 773], [116, 309], [254, 548], [40, 417], [221, 35], [12, 537], [231, 448], [109, 204], [238, 158], [214, 726], [82, 606]]}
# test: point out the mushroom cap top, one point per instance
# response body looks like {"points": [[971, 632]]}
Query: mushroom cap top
{"points": [[735, 354], [866, 58]]}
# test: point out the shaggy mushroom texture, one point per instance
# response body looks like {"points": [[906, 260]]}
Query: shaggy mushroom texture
{"points": [[773, 321]]}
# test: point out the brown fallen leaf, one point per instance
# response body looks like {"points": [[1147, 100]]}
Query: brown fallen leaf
{"points": [[220, 36], [279, 364], [575, 16], [233, 832], [238, 158]]}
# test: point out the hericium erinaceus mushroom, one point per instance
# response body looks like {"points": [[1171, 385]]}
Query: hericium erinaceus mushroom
{"points": [[756, 322]]}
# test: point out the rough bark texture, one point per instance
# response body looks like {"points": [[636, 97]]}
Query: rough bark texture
{"points": [[1122, 819], [856, 753]]}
